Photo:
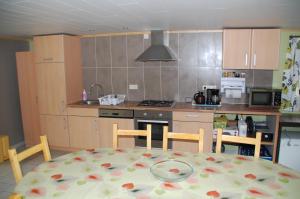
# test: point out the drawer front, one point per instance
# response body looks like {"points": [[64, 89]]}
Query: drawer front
{"points": [[92, 112], [193, 128], [193, 116]]}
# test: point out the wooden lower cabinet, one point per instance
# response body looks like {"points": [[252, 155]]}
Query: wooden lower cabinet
{"points": [[106, 132], [56, 129], [84, 132], [192, 127]]}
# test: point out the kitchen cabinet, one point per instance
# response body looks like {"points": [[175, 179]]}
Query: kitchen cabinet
{"points": [[106, 132], [56, 129], [59, 83], [251, 48], [236, 48], [49, 48], [51, 88], [28, 97], [265, 49], [190, 122], [84, 132]]}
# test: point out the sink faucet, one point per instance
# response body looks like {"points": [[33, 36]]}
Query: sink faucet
{"points": [[92, 86]]}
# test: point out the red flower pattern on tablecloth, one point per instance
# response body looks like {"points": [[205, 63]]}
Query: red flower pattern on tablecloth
{"points": [[37, 192], [255, 192], [170, 186], [211, 170], [93, 177], [213, 193], [250, 176], [211, 159], [288, 175], [140, 165]]}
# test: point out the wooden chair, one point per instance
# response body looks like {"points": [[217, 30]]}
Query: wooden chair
{"points": [[238, 139], [120, 132], [15, 158], [183, 136]]}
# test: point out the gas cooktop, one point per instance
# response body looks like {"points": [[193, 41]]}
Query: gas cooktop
{"points": [[157, 103]]}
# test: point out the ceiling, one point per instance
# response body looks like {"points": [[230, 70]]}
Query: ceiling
{"points": [[32, 17]]}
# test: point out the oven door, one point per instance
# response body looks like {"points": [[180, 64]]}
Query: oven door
{"points": [[157, 132]]}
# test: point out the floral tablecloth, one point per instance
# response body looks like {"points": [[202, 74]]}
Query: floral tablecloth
{"points": [[121, 174]]}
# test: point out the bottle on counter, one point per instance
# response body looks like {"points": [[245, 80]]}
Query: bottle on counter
{"points": [[242, 126], [84, 95]]}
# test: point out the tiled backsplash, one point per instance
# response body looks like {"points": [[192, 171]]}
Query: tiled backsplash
{"points": [[109, 61]]}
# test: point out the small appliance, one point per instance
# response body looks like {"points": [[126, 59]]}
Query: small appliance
{"points": [[263, 97], [213, 96]]}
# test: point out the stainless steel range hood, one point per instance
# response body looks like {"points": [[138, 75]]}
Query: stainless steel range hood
{"points": [[158, 51]]}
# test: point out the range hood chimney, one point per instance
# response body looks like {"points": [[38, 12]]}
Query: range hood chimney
{"points": [[157, 51]]}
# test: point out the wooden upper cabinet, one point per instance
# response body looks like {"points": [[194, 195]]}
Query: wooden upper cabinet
{"points": [[51, 88], [28, 97], [251, 49], [236, 48], [265, 49], [48, 48]]}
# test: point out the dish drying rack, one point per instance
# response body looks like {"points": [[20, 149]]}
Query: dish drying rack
{"points": [[111, 99]]}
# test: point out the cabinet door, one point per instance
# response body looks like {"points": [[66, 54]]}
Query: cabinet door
{"points": [[192, 127], [49, 48], [106, 132], [236, 48], [83, 132], [265, 48], [51, 88], [28, 98], [56, 129]]}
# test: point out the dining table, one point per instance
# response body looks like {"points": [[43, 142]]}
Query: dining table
{"points": [[143, 174]]}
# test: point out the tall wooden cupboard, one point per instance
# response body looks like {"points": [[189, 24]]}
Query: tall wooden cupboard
{"points": [[28, 97], [59, 82]]}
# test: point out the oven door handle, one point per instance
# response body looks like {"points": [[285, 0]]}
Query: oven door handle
{"points": [[153, 121]]}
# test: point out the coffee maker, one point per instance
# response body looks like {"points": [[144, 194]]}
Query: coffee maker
{"points": [[213, 96]]}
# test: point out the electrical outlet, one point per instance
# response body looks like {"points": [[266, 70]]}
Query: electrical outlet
{"points": [[133, 87], [204, 87]]}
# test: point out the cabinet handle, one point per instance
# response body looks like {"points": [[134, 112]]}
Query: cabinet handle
{"points": [[62, 108], [48, 59], [65, 123], [191, 115], [95, 125], [246, 59], [254, 59]]}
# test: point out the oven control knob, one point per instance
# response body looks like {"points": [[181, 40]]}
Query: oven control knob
{"points": [[160, 115], [145, 114]]}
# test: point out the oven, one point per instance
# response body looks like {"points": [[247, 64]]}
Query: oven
{"points": [[157, 119]]}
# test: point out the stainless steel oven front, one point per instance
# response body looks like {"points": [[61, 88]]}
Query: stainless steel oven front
{"points": [[157, 119]]}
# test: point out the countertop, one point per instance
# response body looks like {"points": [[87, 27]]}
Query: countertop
{"points": [[188, 107]]}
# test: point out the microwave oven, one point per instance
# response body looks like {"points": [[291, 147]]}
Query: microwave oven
{"points": [[264, 97]]}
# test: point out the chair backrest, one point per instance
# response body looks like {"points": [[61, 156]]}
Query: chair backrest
{"points": [[15, 158], [121, 132], [238, 139], [183, 136]]}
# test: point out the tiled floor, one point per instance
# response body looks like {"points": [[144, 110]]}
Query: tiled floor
{"points": [[7, 181]]}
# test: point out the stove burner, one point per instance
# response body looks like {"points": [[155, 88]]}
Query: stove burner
{"points": [[156, 103]]}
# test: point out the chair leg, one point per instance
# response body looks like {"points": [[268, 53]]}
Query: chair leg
{"points": [[45, 148], [15, 165], [165, 138], [115, 136]]}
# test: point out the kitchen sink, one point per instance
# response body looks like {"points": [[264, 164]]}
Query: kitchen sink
{"points": [[91, 102]]}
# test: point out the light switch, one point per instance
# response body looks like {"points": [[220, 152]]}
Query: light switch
{"points": [[133, 87]]}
